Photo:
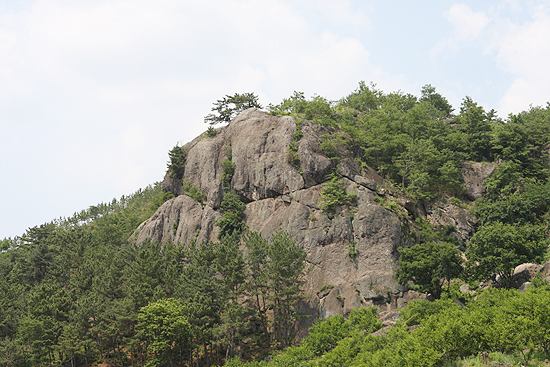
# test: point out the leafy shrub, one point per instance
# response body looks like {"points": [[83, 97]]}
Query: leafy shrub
{"points": [[325, 334], [516, 244], [192, 191], [352, 251], [228, 170], [292, 155], [429, 266], [233, 215], [298, 134], [318, 110], [419, 310], [211, 132], [331, 144], [334, 195]]}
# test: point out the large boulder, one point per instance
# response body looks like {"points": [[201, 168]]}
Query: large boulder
{"points": [[524, 273], [474, 173]]}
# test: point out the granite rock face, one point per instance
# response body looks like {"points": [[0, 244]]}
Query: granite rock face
{"points": [[474, 173], [280, 195]]}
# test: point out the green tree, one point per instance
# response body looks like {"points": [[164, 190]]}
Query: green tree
{"points": [[228, 107], [436, 100], [257, 286], [176, 165], [474, 122], [364, 99], [166, 330], [334, 195], [497, 248], [428, 266], [285, 270], [231, 269]]}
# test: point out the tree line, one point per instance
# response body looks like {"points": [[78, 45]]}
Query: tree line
{"points": [[77, 292]]}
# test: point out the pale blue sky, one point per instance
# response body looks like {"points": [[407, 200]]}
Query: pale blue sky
{"points": [[93, 94]]}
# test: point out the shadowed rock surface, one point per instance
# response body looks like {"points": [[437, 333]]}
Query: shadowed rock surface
{"points": [[474, 173]]}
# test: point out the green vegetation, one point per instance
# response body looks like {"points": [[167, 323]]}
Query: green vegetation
{"points": [[176, 166], [333, 145], [497, 248], [211, 132], [334, 195], [192, 191], [77, 292], [228, 170], [233, 215], [501, 325], [352, 251], [428, 266], [228, 107], [292, 152]]}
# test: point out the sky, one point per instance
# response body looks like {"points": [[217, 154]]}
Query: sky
{"points": [[93, 94]]}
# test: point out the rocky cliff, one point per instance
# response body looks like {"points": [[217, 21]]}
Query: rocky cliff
{"points": [[281, 195]]}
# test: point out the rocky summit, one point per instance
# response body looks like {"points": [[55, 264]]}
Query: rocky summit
{"points": [[279, 194]]}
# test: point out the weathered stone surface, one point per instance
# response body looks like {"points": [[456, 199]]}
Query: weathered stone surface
{"points": [[444, 213], [524, 286], [180, 219], [545, 271], [474, 173], [364, 181], [524, 273], [171, 184], [376, 233]]}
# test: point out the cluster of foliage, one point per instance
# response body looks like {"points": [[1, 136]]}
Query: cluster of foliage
{"points": [[429, 266], [334, 194], [228, 170], [499, 320], [232, 221], [188, 189], [176, 165], [418, 144], [292, 152], [332, 144], [228, 107], [78, 292]]}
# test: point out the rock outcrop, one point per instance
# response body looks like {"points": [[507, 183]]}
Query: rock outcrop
{"points": [[474, 173], [281, 195]]}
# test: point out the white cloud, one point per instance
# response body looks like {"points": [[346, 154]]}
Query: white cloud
{"points": [[467, 24], [523, 51], [515, 37]]}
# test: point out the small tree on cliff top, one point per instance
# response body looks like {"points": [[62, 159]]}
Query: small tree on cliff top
{"points": [[228, 107]]}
